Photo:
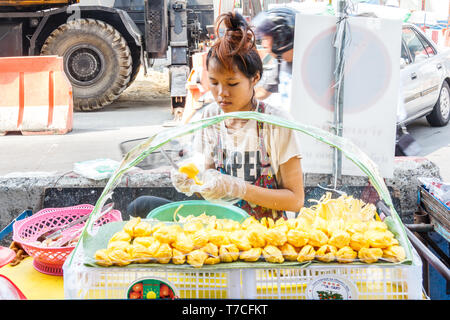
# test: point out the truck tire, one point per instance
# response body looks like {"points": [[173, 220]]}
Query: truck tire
{"points": [[97, 61], [440, 115]]}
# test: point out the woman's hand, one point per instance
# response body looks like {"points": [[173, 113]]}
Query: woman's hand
{"points": [[218, 186], [182, 182]]}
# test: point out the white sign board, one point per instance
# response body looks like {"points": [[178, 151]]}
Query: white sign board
{"points": [[371, 88]]}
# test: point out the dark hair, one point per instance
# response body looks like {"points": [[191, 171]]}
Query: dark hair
{"points": [[236, 46]]}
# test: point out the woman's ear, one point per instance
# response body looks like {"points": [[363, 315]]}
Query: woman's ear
{"points": [[256, 79]]}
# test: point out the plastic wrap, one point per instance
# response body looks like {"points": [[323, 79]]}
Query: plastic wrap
{"points": [[348, 149]]}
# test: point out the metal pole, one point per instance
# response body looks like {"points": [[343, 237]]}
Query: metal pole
{"points": [[339, 99]]}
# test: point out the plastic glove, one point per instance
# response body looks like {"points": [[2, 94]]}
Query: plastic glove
{"points": [[182, 182], [218, 186]]}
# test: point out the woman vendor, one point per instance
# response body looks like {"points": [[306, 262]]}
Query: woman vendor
{"points": [[255, 165]]}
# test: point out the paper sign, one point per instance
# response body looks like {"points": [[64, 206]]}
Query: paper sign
{"points": [[371, 84]]}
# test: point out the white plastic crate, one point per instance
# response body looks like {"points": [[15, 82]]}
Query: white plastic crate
{"points": [[364, 281]]}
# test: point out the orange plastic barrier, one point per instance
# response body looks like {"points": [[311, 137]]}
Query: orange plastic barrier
{"points": [[35, 96]]}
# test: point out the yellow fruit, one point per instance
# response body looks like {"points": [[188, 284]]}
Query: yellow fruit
{"points": [[317, 238], [102, 258], [370, 255], [307, 253], [346, 255], [200, 238], [191, 171], [142, 229], [164, 253], [228, 253], [145, 241], [297, 238], [339, 239], [272, 254], [183, 243], [275, 236], [239, 238], [358, 241], [378, 239], [166, 234], [129, 226], [289, 252], [255, 236], [178, 257], [196, 258], [140, 253], [251, 255], [394, 253], [326, 253], [120, 236]]}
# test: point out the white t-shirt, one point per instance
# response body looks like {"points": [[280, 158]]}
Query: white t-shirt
{"points": [[241, 147]]}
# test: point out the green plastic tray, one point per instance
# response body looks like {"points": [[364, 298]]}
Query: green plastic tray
{"points": [[196, 208]]}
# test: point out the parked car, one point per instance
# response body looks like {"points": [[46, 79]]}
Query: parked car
{"points": [[425, 78]]}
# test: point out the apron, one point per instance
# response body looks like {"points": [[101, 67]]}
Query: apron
{"points": [[266, 178]]}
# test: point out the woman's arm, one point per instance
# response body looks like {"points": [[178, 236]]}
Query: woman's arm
{"points": [[289, 197]]}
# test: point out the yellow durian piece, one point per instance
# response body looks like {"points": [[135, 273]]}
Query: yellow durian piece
{"points": [[239, 238], [183, 242], [102, 258], [178, 257], [394, 253], [191, 170], [251, 255], [307, 253], [196, 258], [120, 236], [358, 241], [272, 254], [129, 226], [267, 222], [326, 253], [339, 239], [275, 236], [289, 252], [317, 238], [164, 253], [370, 255], [228, 253], [346, 255], [297, 238]]}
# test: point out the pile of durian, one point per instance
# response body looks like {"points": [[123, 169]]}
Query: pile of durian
{"points": [[339, 230]]}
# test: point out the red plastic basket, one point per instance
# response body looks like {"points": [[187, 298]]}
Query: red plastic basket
{"points": [[49, 260]]}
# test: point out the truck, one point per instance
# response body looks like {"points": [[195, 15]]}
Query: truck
{"points": [[104, 43]]}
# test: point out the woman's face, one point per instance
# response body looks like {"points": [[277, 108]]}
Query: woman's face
{"points": [[231, 89]]}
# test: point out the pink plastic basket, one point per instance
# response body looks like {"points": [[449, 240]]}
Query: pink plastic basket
{"points": [[49, 260]]}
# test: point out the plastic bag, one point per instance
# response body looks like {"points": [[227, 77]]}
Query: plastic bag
{"points": [[97, 169], [438, 189]]}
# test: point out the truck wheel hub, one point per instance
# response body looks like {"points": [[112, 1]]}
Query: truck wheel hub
{"points": [[84, 65]]}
